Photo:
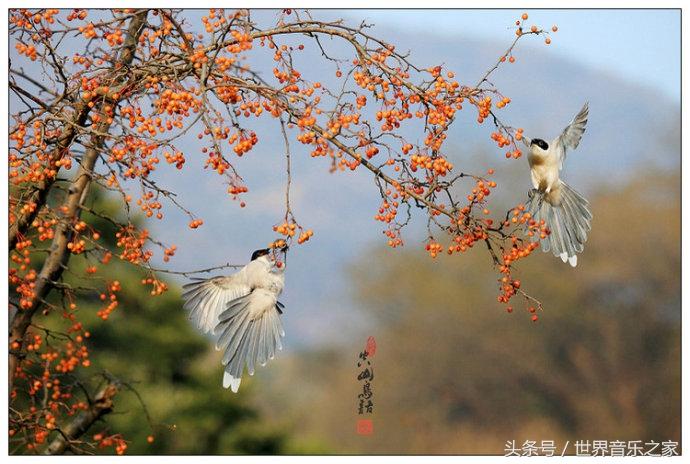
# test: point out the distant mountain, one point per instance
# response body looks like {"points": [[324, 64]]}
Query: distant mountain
{"points": [[630, 127], [627, 120]]}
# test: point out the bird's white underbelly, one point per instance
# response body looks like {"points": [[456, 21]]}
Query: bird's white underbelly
{"points": [[260, 301], [544, 174]]}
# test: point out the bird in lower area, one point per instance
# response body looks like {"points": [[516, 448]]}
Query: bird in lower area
{"points": [[243, 312], [565, 211]]}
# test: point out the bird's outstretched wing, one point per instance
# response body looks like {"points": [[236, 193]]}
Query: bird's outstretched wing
{"points": [[249, 332], [206, 299], [571, 135]]}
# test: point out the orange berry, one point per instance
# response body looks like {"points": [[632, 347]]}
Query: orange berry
{"points": [[524, 16]]}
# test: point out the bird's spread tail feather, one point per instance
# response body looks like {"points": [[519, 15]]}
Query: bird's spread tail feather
{"points": [[246, 339], [569, 222]]}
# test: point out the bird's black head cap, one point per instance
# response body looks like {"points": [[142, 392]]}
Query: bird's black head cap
{"points": [[260, 253], [540, 143]]}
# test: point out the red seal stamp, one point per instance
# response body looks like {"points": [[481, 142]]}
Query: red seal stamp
{"points": [[371, 347], [365, 427]]}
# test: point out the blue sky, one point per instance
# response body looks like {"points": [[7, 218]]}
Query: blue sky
{"points": [[642, 45], [595, 55]]}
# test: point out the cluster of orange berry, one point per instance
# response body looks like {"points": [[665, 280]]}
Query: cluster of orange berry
{"points": [[286, 228], [439, 165], [503, 102], [307, 138], [209, 24], [518, 133], [148, 206], [283, 76], [235, 190], [24, 286], [394, 238], [307, 119], [176, 158], [195, 223], [245, 143], [243, 42], [168, 252], [18, 136], [508, 288], [304, 236], [133, 244], [484, 107], [434, 248], [162, 32], [251, 107], [116, 441], [147, 164], [177, 102], [500, 139], [223, 63], [35, 344], [371, 151], [277, 244], [217, 163], [28, 50], [89, 31], [441, 114], [22, 259], [22, 19], [76, 246], [199, 57], [40, 435], [74, 356], [158, 287], [343, 121], [77, 14], [82, 60], [111, 297], [107, 256], [45, 15], [517, 153], [114, 38], [465, 241], [387, 211], [228, 94]]}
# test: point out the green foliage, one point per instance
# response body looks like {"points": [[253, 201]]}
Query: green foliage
{"points": [[172, 376]]}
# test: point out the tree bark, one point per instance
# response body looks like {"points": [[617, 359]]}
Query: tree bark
{"points": [[100, 406]]}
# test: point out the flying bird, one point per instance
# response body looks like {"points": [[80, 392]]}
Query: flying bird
{"points": [[565, 211], [243, 312]]}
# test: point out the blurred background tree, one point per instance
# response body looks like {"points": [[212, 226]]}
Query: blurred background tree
{"points": [[456, 374]]}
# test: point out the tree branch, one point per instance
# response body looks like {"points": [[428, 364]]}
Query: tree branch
{"points": [[101, 405]]}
